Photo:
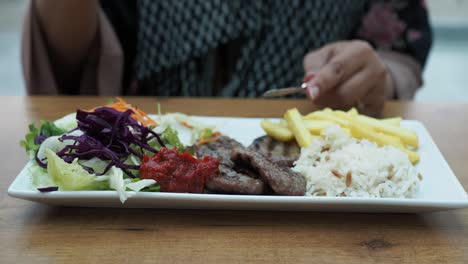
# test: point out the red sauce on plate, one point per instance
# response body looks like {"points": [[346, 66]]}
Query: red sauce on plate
{"points": [[178, 172]]}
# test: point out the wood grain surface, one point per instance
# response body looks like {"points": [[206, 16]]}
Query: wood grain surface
{"points": [[36, 233]]}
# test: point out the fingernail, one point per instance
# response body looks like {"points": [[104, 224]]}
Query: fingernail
{"points": [[309, 76], [313, 92]]}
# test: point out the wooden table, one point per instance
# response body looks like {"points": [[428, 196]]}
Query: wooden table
{"points": [[37, 233]]}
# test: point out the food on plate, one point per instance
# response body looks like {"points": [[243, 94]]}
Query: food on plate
{"points": [[136, 113], [329, 116], [36, 136], [385, 132], [231, 179], [244, 171], [408, 137], [119, 147], [395, 121], [70, 176], [317, 126], [351, 154], [207, 136], [277, 131], [179, 172], [111, 136], [278, 152], [339, 165], [362, 131], [298, 128], [281, 179], [103, 149]]}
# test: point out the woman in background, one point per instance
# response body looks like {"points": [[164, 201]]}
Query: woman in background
{"points": [[350, 52]]}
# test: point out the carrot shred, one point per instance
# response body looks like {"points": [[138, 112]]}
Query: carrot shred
{"points": [[187, 125], [214, 136], [137, 114]]}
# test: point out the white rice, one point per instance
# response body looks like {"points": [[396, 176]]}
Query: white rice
{"points": [[372, 171]]}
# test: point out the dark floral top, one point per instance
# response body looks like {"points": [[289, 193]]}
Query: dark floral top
{"points": [[398, 25], [172, 48]]}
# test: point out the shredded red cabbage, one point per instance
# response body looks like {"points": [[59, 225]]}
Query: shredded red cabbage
{"points": [[40, 138], [40, 162], [109, 135], [48, 189]]}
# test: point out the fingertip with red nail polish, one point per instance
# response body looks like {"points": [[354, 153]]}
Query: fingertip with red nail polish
{"points": [[309, 76], [313, 92], [311, 88]]}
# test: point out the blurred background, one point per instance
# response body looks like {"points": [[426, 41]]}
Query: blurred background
{"points": [[446, 73]]}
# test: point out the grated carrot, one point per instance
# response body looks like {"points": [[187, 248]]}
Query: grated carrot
{"points": [[187, 125], [137, 114], [214, 136]]}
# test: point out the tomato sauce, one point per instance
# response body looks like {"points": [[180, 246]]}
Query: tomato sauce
{"points": [[178, 172]]}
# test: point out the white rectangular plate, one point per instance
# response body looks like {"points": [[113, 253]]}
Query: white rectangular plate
{"points": [[439, 190]]}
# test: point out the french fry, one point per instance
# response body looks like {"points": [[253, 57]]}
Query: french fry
{"points": [[347, 131], [317, 126], [283, 123], [395, 121], [298, 128], [407, 136], [362, 131], [353, 112], [276, 131], [382, 131], [328, 116], [350, 117], [343, 114], [413, 156]]}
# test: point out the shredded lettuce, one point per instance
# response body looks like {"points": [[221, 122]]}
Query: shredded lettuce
{"points": [[94, 164], [40, 178], [116, 182], [50, 129], [127, 188], [67, 167], [142, 184], [189, 129], [170, 137], [55, 144], [28, 142], [36, 136], [150, 188], [205, 133], [71, 176], [67, 122]]}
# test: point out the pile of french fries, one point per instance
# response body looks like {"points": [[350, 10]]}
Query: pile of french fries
{"points": [[304, 129]]}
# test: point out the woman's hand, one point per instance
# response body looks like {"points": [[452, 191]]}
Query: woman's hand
{"points": [[346, 74]]}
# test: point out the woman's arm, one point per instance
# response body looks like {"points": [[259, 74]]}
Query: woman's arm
{"points": [[401, 33], [97, 71], [354, 73], [69, 28]]}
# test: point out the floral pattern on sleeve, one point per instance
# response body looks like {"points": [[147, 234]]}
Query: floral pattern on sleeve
{"points": [[398, 25]]}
